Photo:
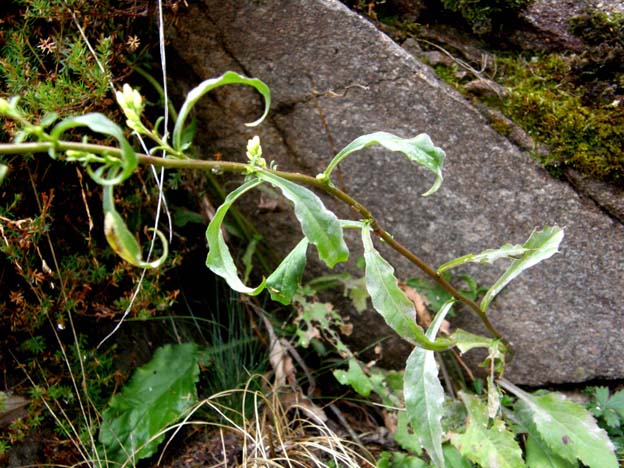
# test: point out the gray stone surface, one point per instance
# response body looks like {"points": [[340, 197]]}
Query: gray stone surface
{"points": [[335, 77], [609, 197]]}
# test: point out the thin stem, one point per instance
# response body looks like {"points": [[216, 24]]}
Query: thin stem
{"points": [[240, 168]]}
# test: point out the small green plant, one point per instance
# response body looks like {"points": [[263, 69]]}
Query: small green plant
{"points": [[608, 409], [556, 428]]}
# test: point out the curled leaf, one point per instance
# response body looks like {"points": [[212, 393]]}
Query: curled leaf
{"points": [[419, 149], [540, 246], [117, 169], [219, 259], [121, 239], [208, 85], [487, 256], [466, 341]]}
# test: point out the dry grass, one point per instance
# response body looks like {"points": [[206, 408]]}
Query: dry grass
{"points": [[284, 431]]}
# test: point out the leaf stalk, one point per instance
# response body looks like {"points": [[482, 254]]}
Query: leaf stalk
{"points": [[242, 168]]}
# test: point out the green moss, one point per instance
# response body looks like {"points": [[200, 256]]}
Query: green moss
{"points": [[545, 99], [501, 126], [573, 103]]}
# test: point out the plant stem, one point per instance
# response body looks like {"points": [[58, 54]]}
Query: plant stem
{"points": [[235, 167]]}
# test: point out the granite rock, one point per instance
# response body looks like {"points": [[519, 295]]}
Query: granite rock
{"points": [[334, 77]]}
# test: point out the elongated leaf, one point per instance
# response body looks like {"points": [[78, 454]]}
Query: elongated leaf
{"points": [[390, 302], [156, 396], [568, 429], [424, 395], [219, 259], [121, 239], [490, 446], [419, 149], [321, 227], [487, 256], [283, 282], [208, 85], [99, 123], [540, 246]]}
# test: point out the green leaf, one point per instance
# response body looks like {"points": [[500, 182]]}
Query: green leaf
{"points": [[182, 216], [611, 409], [487, 256], [615, 409], [208, 85], [121, 239], [355, 289], [48, 119], [436, 295], [406, 439], [188, 134], [155, 397], [540, 246], [419, 149], [219, 259], [400, 460], [568, 429], [247, 258], [424, 395], [454, 459], [284, 281], [355, 377], [390, 302], [616, 403], [491, 446], [4, 169], [538, 455], [118, 170], [319, 225], [466, 341]]}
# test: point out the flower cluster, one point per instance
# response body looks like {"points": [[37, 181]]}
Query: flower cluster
{"points": [[254, 152], [131, 103]]}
